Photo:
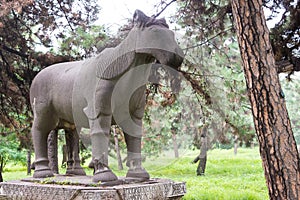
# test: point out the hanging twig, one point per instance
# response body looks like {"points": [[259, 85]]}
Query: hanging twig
{"points": [[206, 41], [164, 8]]}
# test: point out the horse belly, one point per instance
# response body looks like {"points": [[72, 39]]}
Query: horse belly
{"points": [[63, 90]]}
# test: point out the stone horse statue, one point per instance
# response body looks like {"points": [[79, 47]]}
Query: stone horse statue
{"points": [[80, 93]]}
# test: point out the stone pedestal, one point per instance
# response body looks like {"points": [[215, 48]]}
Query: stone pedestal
{"points": [[81, 188]]}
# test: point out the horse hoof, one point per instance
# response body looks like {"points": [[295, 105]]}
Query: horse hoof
{"points": [[43, 173], [138, 173], [104, 176]]}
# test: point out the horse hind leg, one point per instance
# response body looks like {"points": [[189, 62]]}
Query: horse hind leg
{"points": [[52, 151], [134, 158], [42, 125], [134, 139], [134, 155], [73, 162]]}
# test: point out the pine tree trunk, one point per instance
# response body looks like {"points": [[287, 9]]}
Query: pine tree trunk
{"points": [[235, 144], [1, 168], [273, 128], [28, 161], [203, 152], [1, 178], [175, 145]]}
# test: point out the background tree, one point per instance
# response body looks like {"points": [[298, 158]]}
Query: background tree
{"points": [[30, 33], [277, 144], [206, 22]]}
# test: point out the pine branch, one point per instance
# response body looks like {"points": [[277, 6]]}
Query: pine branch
{"points": [[163, 9]]}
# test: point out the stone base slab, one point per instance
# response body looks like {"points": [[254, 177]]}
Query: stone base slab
{"points": [[81, 188]]}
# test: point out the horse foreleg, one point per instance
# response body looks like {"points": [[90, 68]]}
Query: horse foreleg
{"points": [[100, 138]]}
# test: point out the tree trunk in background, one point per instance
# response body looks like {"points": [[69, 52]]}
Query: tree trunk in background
{"points": [[120, 165], [65, 155], [28, 161], [236, 144], [1, 168], [175, 145], [174, 131], [273, 128], [202, 157], [203, 152]]}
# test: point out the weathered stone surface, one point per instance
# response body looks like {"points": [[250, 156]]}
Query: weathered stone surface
{"points": [[82, 188]]}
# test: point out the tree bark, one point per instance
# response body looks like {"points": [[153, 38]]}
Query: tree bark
{"points": [[202, 157], [273, 128], [28, 161], [203, 152], [1, 168], [175, 145], [235, 144]]}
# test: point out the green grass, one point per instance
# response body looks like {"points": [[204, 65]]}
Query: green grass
{"points": [[227, 177]]}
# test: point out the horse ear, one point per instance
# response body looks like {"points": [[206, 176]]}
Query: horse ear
{"points": [[162, 20], [139, 18]]}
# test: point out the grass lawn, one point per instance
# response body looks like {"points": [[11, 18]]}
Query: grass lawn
{"points": [[227, 177]]}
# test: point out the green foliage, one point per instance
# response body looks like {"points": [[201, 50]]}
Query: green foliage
{"points": [[213, 93], [225, 107], [208, 26], [10, 152], [169, 113], [83, 41]]}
